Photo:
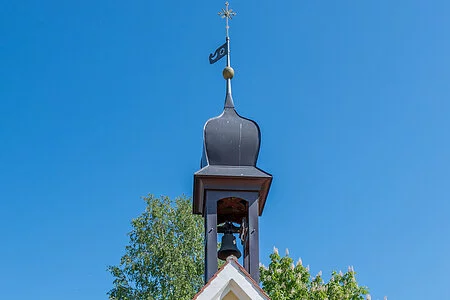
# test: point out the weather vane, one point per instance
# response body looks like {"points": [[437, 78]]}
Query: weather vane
{"points": [[223, 50]]}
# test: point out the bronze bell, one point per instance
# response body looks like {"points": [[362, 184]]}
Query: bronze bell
{"points": [[228, 247]]}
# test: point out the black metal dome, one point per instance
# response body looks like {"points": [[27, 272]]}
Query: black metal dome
{"points": [[230, 140]]}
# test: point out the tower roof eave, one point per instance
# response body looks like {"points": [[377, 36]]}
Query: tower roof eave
{"points": [[245, 178]]}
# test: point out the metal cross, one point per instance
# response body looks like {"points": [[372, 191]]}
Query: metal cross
{"points": [[227, 14]]}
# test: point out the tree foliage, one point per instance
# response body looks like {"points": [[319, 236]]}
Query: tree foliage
{"points": [[283, 280], [164, 259]]}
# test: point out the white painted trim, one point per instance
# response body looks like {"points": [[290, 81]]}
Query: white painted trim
{"points": [[231, 278]]}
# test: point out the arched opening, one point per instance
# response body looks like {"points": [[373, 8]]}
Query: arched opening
{"points": [[231, 209], [232, 213]]}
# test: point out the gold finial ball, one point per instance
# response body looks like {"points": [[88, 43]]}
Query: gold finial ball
{"points": [[228, 73]]}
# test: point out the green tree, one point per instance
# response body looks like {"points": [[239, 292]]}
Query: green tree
{"points": [[283, 280], [164, 259]]}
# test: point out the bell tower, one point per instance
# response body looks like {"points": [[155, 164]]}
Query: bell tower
{"points": [[229, 190]]}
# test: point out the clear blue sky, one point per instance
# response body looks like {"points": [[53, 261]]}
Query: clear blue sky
{"points": [[102, 102]]}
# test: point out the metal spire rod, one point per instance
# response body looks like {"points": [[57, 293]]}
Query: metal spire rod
{"points": [[228, 14]]}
